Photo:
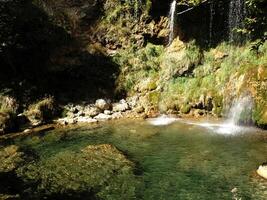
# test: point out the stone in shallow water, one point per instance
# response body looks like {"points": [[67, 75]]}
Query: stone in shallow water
{"points": [[262, 171]]}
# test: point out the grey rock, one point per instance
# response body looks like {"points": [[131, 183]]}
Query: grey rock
{"points": [[102, 104]]}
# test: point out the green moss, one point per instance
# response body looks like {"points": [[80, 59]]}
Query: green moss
{"points": [[98, 171], [185, 109], [154, 98], [137, 64]]}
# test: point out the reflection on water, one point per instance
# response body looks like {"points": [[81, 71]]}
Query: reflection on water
{"points": [[162, 120], [178, 161]]}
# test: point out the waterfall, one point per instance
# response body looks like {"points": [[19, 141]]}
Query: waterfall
{"points": [[241, 110], [236, 16], [212, 10], [172, 21]]}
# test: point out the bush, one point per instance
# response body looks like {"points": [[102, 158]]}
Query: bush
{"points": [[42, 111]]}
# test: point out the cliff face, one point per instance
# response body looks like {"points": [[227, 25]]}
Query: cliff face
{"points": [[113, 48]]}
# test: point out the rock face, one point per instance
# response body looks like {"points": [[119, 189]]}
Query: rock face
{"points": [[96, 171], [262, 171]]}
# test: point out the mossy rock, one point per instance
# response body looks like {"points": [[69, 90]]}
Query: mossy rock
{"points": [[154, 98], [185, 109], [98, 171], [42, 111], [259, 115]]}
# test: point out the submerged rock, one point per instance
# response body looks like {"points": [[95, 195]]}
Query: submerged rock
{"points": [[10, 158], [98, 171]]}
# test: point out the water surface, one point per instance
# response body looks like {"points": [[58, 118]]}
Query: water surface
{"points": [[176, 161]]}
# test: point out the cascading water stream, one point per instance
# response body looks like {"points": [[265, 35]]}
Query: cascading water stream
{"points": [[237, 14], [212, 10], [240, 110], [172, 21]]}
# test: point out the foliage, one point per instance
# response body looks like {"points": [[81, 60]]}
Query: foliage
{"points": [[256, 21], [43, 110], [137, 64]]}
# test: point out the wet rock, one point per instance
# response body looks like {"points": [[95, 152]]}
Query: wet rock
{"points": [[262, 171], [122, 106], [102, 104]]}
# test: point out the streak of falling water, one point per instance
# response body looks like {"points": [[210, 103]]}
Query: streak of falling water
{"points": [[211, 22], [237, 13], [241, 106], [172, 21]]}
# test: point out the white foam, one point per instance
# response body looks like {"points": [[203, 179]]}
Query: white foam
{"points": [[222, 128], [162, 120]]}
